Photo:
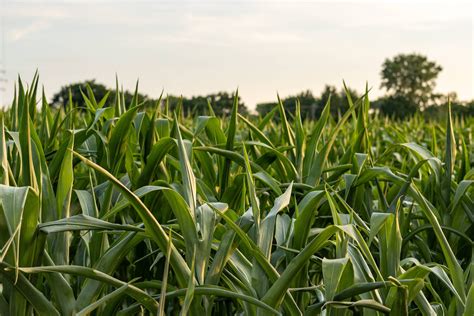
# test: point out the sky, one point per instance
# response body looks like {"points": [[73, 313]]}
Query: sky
{"points": [[260, 47]]}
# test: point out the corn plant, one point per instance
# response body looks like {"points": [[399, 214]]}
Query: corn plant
{"points": [[131, 209]]}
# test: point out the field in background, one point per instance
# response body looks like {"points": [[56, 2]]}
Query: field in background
{"points": [[133, 210]]}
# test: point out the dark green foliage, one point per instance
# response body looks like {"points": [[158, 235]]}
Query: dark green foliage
{"points": [[411, 76], [312, 106], [220, 102], [396, 107], [62, 97], [459, 109]]}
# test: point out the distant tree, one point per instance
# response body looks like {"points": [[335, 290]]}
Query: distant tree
{"points": [[458, 108], [411, 77], [449, 97], [309, 104], [264, 108], [396, 106], [312, 106], [221, 102], [61, 98], [339, 102]]}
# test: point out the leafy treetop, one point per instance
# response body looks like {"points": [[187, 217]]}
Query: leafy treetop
{"points": [[412, 77]]}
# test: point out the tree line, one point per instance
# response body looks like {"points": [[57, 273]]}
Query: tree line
{"points": [[221, 102], [409, 81]]}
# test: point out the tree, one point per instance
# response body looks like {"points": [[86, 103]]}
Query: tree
{"points": [[312, 106], [412, 77], [395, 106], [309, 105], [458, 107], [221, 102], [61, 98], [339, 102], [265, 108]]}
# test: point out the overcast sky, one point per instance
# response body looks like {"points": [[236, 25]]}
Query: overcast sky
{"points": [[262, 47]]}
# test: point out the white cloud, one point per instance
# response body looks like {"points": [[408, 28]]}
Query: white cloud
{"points": [[25, 20], [21, 10], [22, 33]]}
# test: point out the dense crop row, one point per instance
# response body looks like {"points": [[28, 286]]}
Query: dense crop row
{"points": [[130, 209]]}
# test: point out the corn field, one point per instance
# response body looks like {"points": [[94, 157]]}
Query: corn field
{"points": [[136, 210]]}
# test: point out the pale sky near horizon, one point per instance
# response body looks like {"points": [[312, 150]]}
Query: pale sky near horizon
{"points": [[262, 47]]}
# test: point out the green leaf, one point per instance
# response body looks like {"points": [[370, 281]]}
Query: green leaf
{"points": [[370, 304], [470, 302], [221, 292], [19, 214], [117, 141], [21, 284], [102, 301], [152, 227], [83, 222], [229, 146], [130, 290], [277, 290], [4, 171], [187, 174], [338, 275]]}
